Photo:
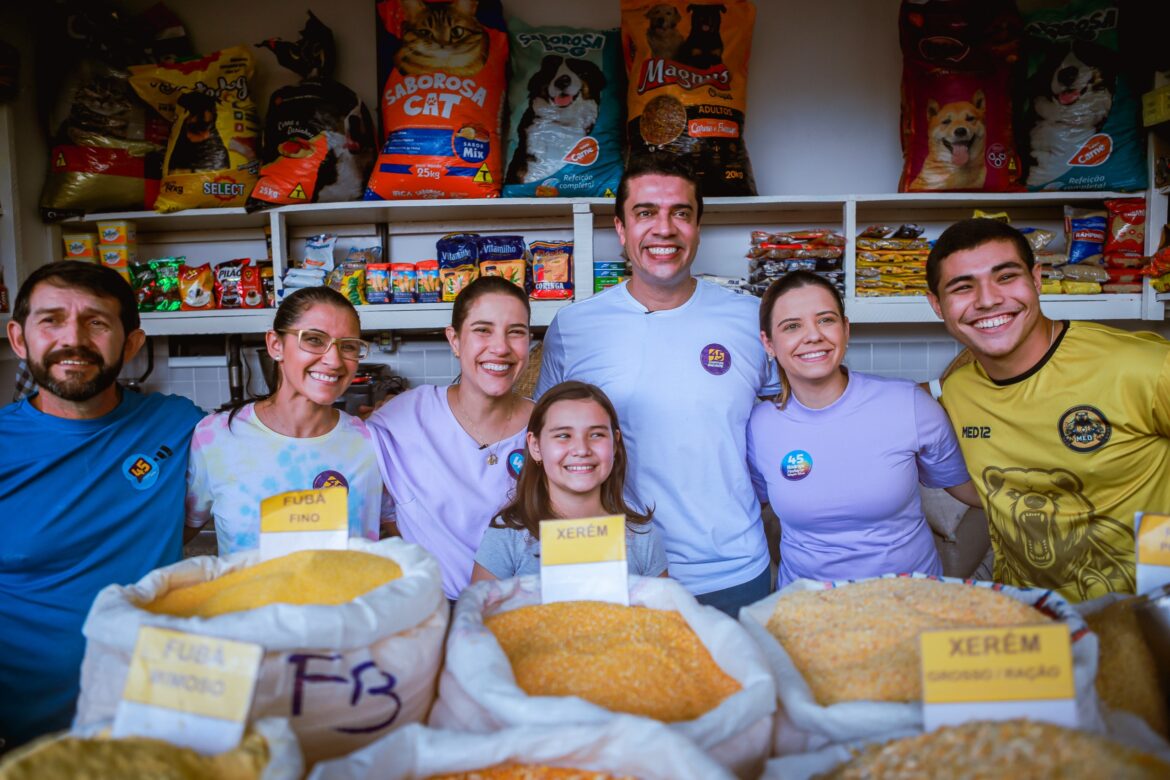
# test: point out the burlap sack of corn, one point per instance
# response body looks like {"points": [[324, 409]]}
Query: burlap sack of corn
{"points": [[625, 746], [344, 675], [478, 691], [803, 724]]}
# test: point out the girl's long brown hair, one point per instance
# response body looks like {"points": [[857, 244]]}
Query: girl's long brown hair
{"points": [[529, 502]]}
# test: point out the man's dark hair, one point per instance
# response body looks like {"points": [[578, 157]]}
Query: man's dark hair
{"points": [[95, 279], [968, 234], [657, 165]]}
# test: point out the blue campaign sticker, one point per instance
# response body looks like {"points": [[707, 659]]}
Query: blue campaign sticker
{"points": [[330, 478], [141, 470], [796, 465], [515, 463], [715, 359]]}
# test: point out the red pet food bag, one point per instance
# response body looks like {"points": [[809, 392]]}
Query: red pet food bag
{"points": [[443, 67], [687, 66], [956, 96]]}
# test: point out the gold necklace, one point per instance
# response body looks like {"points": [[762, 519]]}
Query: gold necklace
{"points": [[492, 459]]}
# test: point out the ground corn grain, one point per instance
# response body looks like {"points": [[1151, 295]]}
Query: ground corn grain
{"points": [[859, 642], [530, 772], [1127, 674], [74, 758], [627, 659], [1016, 749], [305, 577]]}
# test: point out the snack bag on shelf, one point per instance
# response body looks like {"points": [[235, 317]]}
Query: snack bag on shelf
{"points": [[552, 270]]}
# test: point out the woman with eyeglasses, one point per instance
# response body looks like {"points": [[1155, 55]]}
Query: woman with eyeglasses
{"points": [[292, 438], [450, 455]]}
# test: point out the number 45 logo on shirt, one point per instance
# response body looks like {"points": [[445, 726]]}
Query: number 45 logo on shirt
{"points": [[142, 470]]}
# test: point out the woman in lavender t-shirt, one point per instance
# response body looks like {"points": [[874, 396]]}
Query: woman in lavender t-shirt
{"points": [[450, 455], [841, 454]]}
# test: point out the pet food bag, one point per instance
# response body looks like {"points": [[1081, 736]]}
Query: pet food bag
{"points": [[211, 158], [1083, 125], [567, 100], [318, 136], [344, 675], [687, 68], [956, 96], [442, 65], [478, 690], [804, 724], [624, 747]]}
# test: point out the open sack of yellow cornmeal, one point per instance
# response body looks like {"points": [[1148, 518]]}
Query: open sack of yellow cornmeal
{"points": [[267, 752], [353, 640], [846, 659], [728, 714], [623, 747]]}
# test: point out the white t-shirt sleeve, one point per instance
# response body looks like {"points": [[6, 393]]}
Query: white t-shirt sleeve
{"points": [[552, 361], [198, 502], [940, 461]]}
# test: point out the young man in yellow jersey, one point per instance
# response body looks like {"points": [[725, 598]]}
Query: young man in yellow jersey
{"points": [[1065, 426]]}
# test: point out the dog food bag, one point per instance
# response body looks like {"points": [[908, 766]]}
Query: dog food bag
{"points": [[319, 141], [566, 99], [956, 95], [552, 270], [687, 70], [212, 156], [429, 286], [442, 65], [196, 287], [347, 658], [458, 255], [1083, 110]]}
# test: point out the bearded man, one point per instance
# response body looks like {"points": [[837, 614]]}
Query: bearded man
{"points": [[92, 484]]}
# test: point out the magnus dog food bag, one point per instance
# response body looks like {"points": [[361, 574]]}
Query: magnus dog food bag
{"points": [[442, 66], [687, 68], [1083, 114], [956, 95], [318, 136], [212, 158], [566, 100]]}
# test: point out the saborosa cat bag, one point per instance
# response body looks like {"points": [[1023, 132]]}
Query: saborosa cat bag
{"points": [[687, 65], [1083, 123], [956, 95], [566, 99], [212, 157], [442, 66]]}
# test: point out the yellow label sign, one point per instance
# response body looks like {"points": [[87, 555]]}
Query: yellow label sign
{"points": [[324, 509], [197, 674], [1021, 663], [1154, 540], [587, 540]]}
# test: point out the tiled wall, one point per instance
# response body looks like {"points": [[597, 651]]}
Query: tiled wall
{"points": [[912, 352]]}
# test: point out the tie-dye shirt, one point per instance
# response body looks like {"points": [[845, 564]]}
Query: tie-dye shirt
{"points": [[232, 470]]}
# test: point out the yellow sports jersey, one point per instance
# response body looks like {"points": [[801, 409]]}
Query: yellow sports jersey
{"points": [[1065, 454]]}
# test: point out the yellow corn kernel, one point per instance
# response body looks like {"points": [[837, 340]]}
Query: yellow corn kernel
{"points": [[982, 750], [305, 577], [627, 659], [530, 772], [860, 641], [1127, 674], [74, 758]]}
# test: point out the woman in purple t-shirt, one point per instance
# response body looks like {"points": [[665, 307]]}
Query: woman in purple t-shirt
{"points": [[450, 455], [839, 454]]}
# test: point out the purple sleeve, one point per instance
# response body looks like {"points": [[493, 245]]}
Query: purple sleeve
{"points": [[940, 461], [758, 482]]}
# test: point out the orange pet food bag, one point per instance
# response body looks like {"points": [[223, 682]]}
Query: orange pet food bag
{"points": [[442, 66]]}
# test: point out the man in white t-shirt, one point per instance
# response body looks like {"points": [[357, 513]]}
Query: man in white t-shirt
{"points": [[682, 361]]}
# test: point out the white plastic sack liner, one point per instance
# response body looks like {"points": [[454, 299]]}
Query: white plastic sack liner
{"points": [[478, 691], [803, 725], [344, 675], [626, 745]]}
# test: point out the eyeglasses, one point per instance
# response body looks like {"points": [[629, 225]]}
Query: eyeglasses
{"points": [[317, 343]]}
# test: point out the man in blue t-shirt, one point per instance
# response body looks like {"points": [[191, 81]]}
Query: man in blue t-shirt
{"points": [[92, 483]]}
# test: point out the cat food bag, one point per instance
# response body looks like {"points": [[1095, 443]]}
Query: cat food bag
{"points": [[956, 95], [211, 158], [318, 136], [566, 100], [1083, 111], [687, 70], [442, 66]]}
